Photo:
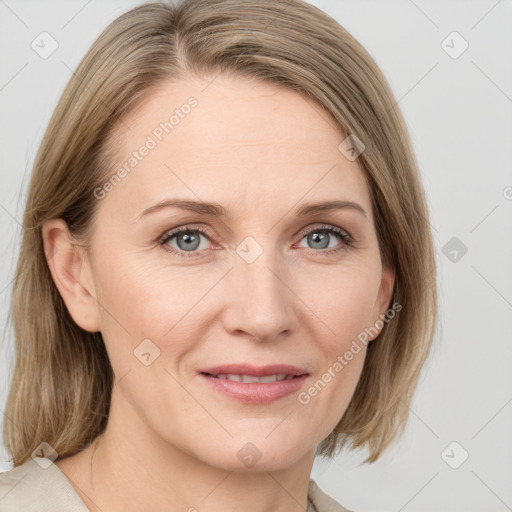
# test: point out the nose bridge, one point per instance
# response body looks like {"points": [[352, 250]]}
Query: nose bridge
{"points": [[259, 299]]}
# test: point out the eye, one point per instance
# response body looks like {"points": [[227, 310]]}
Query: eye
{"points": [[187, 241], [321, 236]]}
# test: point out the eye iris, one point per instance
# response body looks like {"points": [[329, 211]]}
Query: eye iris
{"points": [[316, 237], [192, 240]]}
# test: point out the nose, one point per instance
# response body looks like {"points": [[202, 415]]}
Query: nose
{"points": [[258, 300]]}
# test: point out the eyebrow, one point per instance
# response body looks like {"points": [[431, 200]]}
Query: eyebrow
{"points": [[217, 210]]}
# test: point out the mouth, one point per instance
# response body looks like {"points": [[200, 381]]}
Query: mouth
{"points": [[251, 378], [242, 372], [255, 385]]}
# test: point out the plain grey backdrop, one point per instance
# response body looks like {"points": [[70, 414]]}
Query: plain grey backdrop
{"points": [[450, 66]]}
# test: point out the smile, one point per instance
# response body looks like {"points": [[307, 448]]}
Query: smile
{"points": [[253, 378]]}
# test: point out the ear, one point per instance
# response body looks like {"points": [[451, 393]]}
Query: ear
{"points": [[384, 296], [71, 272]]}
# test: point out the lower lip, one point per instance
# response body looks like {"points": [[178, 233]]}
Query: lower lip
{"points": [[256, 392]]}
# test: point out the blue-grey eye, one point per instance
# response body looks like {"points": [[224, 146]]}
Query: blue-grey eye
{"points": [[186, 240], [320, 238]]}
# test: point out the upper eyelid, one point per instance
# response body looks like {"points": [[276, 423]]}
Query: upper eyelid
{"points": [[322, 225]]}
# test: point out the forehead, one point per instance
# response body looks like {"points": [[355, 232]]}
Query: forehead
{"points": [[243, 143]]}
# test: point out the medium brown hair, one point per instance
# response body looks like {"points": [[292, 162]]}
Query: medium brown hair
{"points": [[62, 379]]}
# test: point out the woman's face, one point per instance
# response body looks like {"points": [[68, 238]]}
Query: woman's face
{"points": [[255, 284]]}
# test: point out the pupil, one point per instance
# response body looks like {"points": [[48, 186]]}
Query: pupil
{"points": [[189, 240], [319, 238]]}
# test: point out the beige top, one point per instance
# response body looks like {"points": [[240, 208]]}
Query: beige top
{"points": [[42, 487]]}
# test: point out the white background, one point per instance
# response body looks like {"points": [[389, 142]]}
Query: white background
{"points": [[458, 111]]}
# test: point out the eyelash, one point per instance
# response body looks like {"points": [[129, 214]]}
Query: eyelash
{"points": [[347, 240]]}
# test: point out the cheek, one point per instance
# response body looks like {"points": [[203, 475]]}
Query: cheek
{"points": [[163, 304], [343, 299], [343, 306]]}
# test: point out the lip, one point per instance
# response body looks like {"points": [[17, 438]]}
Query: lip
{"points": [[255, 392], [257, 371]]}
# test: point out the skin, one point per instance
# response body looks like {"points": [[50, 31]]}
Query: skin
{"points": [[171, 442]]}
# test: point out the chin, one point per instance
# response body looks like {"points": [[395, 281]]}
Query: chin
{"points": [[260, 454]]}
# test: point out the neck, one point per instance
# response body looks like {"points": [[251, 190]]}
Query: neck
{"points": [[129, 468]]}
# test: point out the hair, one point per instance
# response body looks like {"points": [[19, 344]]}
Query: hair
{"points": [[62, 378]]}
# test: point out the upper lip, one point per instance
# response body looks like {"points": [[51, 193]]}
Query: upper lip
{"points": [[257, 371]]}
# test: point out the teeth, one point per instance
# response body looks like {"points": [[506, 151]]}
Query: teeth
{"points": [[252, 378], [249, 378]]}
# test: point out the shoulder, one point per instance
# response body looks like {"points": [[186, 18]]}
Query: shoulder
{"points": [[322, 501], [38, 487]]}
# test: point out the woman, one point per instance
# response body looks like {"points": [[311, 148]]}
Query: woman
{"points": [[226, 267]]}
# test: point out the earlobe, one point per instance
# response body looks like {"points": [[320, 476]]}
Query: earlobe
{"points": [[71, 274]]}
